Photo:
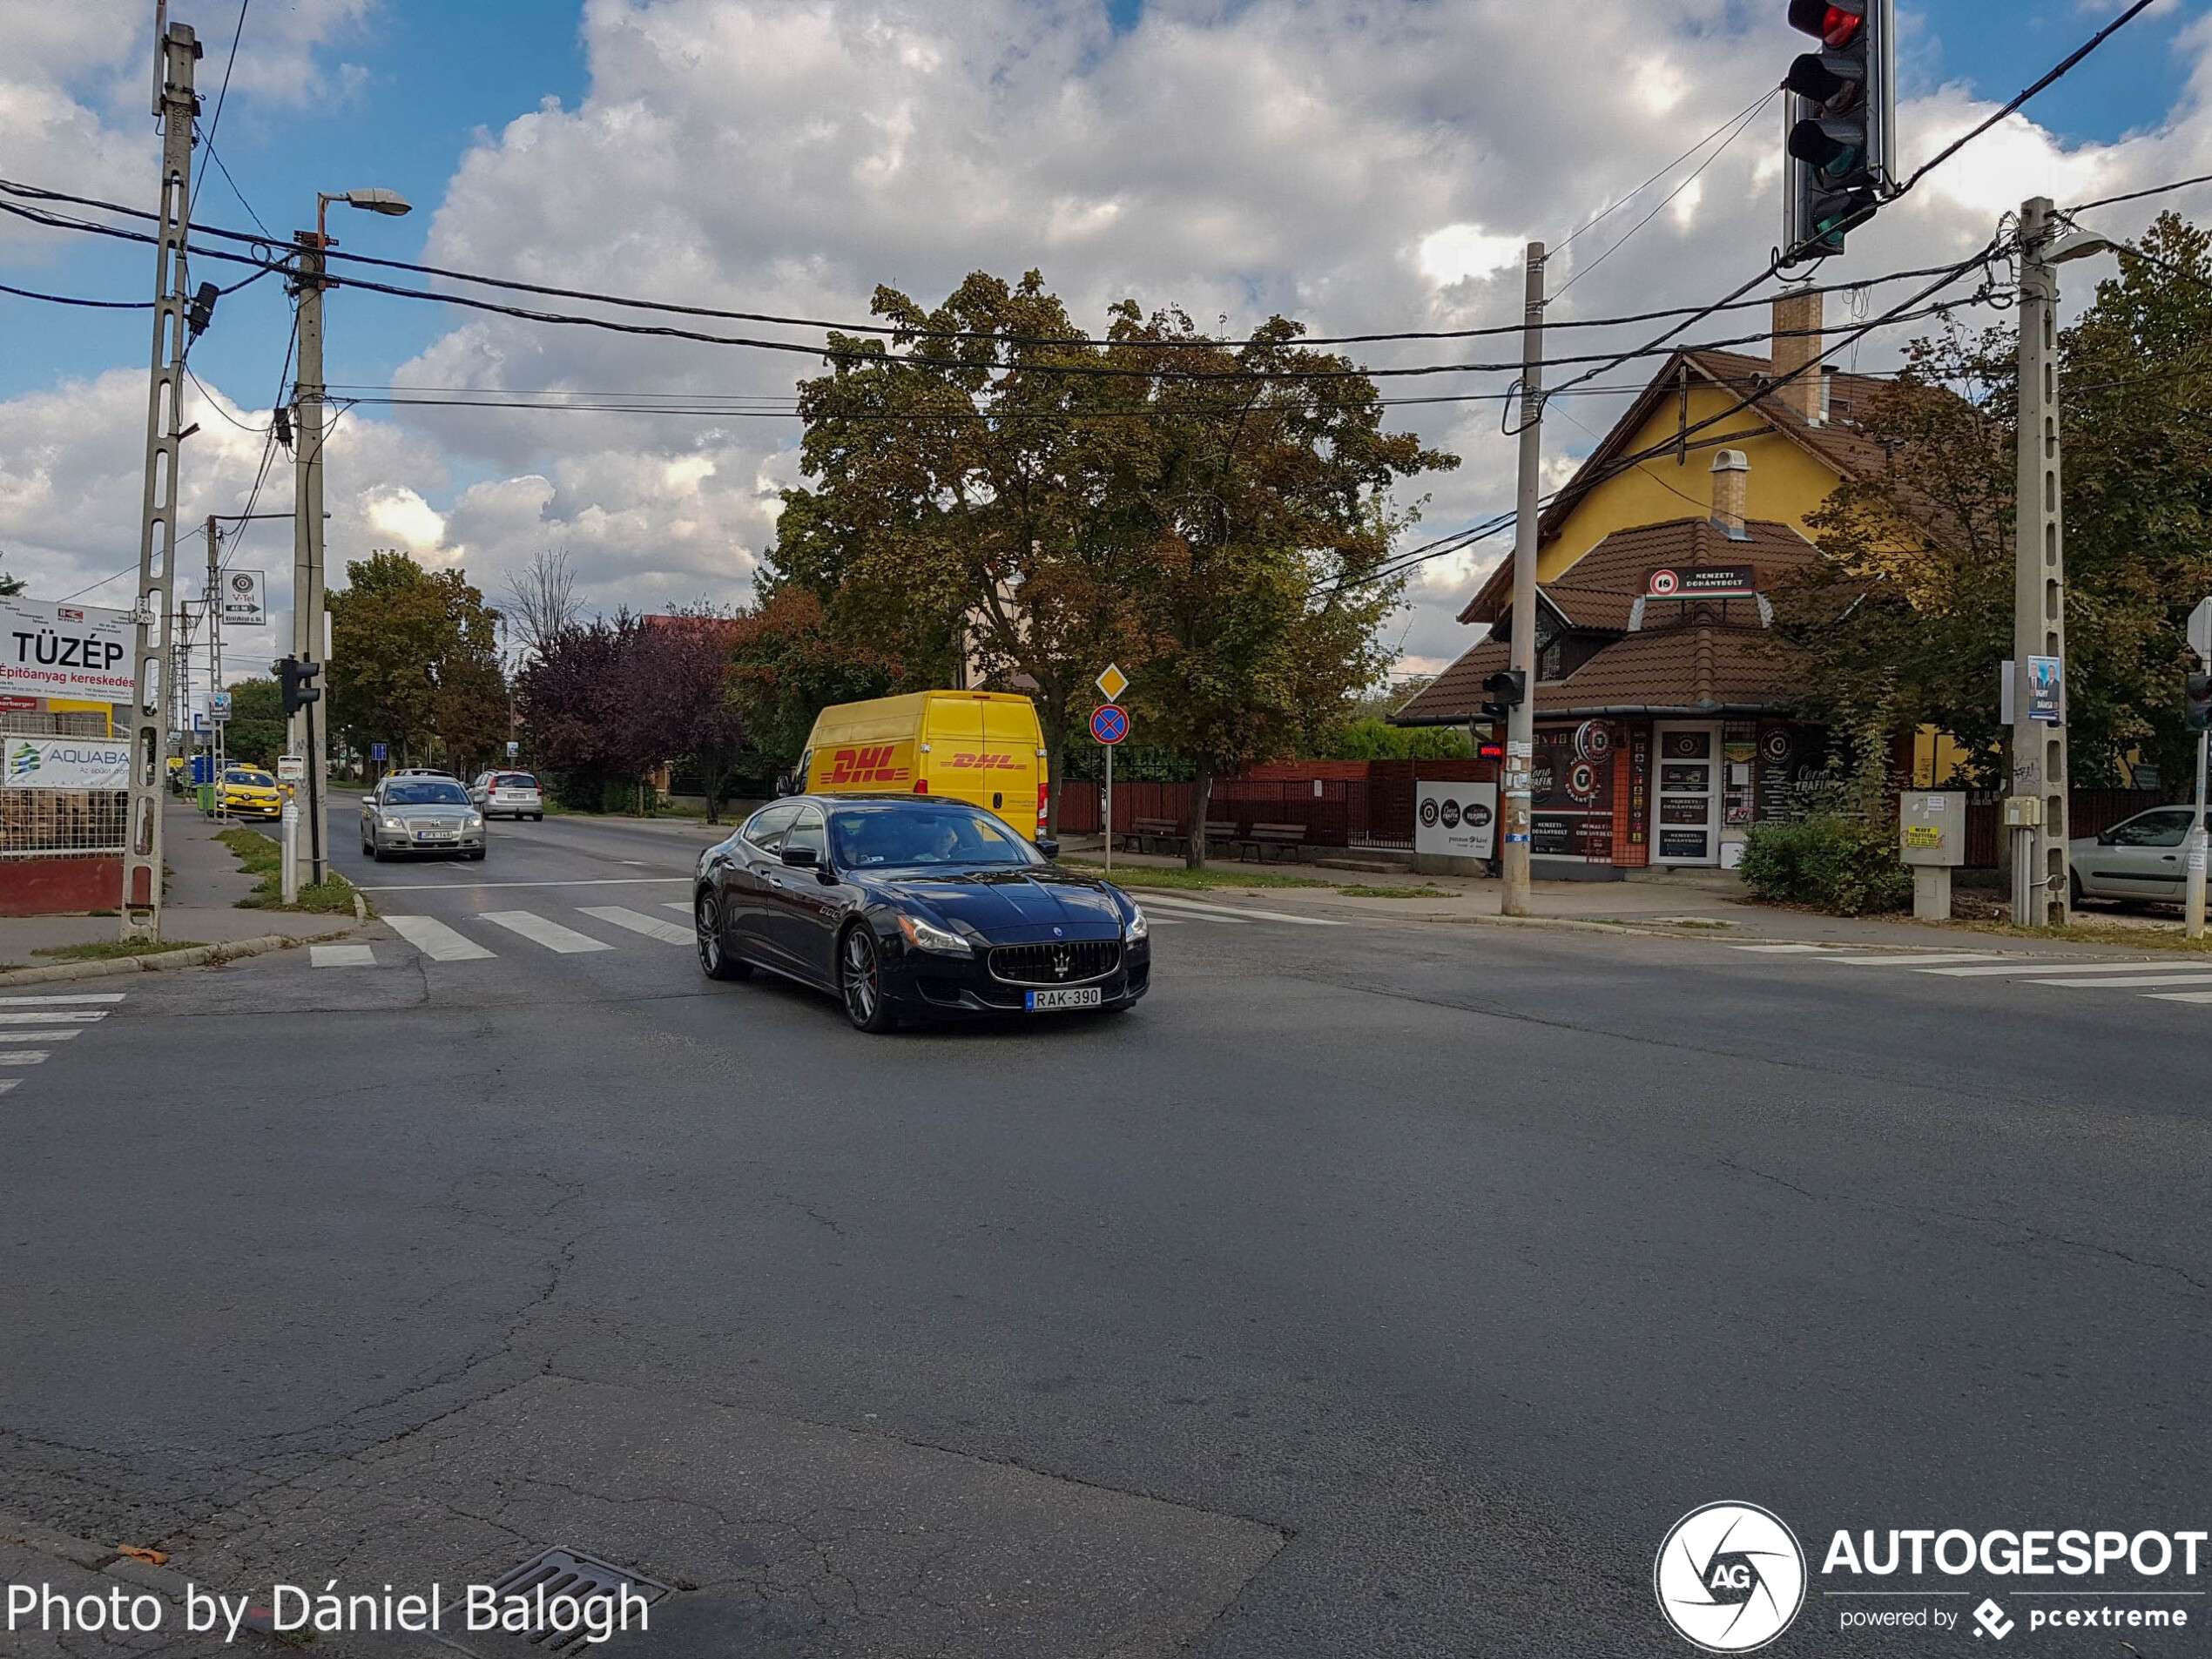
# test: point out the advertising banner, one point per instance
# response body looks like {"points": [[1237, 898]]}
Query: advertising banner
{"points": [[1456, 820], [48, 650], [244, 595], [65, 763]]}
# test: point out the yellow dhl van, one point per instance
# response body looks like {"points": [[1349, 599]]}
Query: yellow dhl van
{"points": [[982, 747]]}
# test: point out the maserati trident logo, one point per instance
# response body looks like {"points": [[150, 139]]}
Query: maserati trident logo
{"points": [[1063, 961], [1729, 1577]]}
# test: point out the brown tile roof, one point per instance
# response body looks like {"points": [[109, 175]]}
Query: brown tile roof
{"points": [[1837, 444]]}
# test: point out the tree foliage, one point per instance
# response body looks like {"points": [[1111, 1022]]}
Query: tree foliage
{"points": [[414, 663], [789, 661], [1914, 613], [255, 730]]}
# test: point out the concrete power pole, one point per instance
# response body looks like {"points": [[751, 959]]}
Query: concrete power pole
{"points": [[304, 735], [152, 670], [1521, 722]]}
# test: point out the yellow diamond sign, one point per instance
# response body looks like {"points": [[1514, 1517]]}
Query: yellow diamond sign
{"points": [[1113, 683]]}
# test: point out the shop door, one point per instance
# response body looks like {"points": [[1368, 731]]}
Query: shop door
{"points": [[1689, 830]]}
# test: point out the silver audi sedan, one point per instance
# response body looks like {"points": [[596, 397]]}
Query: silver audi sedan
{"points": [[404, 814]]}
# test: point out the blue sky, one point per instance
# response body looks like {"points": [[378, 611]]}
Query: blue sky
{"points": [[1361, 164]]}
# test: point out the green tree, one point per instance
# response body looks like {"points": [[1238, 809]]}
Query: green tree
{"points": [[1913, 614], [255, 731], [414, 663], [788, 663]]}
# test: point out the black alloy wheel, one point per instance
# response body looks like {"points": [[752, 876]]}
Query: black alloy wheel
{"points": [[859, 976], [715, 961]]}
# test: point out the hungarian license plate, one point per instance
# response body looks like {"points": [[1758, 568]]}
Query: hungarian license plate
{"points": [[1085, 996], [437, 835]]}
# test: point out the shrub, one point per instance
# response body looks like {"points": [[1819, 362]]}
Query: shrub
{"points": [[1830, 860]]}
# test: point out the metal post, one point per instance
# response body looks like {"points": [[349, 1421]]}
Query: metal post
{"points": [[1109, 808], [151, 669], [215, 747], [2193, 914], [1520, 723], [2039, 574], [307, 531], [288, 851]]}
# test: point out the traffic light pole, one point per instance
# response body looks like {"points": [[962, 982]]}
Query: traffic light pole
{"points": [[2193, 911], [153, 667], [1521, 722], [301, 738]]}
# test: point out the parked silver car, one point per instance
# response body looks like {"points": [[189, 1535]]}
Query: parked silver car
{"points": [[2145, 857], [504, 794], [405, 814]]}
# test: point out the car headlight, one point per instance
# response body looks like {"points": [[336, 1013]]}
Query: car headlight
{"points": [[476, 822], [1136, 927], [394, 824], [927, 935]]}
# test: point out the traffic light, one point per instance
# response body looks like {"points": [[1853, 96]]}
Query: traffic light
{"points": [[1840, 116], [2200, 702], [1509, 690], [292, 676]]}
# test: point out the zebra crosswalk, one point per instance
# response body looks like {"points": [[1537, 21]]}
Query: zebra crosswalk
{"points": [[584, 929], [2167, 981], [30, 1025]]}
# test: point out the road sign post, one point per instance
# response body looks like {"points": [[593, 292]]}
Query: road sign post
{"points": [[2193, 891], [1110, 727]]}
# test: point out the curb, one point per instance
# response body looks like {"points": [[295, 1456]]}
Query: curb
{"points": [[198, 956]]}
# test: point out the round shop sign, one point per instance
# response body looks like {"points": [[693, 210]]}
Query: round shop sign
{"points": [[1776, 744], [1451, 814], [1477, 814], [1428, 812], [1593, 740], [1581, 780], [1663, 583]]}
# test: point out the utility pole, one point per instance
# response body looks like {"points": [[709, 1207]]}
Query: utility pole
{"points": [[2042, 895], [1521, 722], [300, 737], [151, 670], [214, 607]]}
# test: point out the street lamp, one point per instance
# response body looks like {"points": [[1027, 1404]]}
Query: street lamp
{"points": [[301, 738]]}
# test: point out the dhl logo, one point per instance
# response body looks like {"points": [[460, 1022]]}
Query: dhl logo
{"points": [[991, 763], [868, 766]]}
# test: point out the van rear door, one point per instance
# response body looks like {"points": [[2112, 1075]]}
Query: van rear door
{"points": [[1011, 741]]}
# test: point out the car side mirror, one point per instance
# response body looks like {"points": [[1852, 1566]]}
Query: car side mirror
{"points": [[1049, 847], [801, 858], [2105, 839]]}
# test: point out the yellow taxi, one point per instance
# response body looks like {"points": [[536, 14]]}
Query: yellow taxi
{"points": [[247, 791]]}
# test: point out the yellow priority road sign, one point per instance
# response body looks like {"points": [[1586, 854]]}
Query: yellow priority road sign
{"points": [[1113, 683]]}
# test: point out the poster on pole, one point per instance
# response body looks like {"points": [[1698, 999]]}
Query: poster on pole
{"points": [[2046, 689], [1457, 820], [244, 599], [49, 650], [65, 763]]}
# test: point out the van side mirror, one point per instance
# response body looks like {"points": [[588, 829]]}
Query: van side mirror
{"points": [[1049, 847]]}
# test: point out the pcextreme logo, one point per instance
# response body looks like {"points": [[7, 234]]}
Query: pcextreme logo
{"points": [[994, 763], [1729, 1577], [869, 765]]}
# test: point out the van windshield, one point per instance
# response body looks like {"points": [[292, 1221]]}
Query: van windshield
{"points": [[864, 838]]}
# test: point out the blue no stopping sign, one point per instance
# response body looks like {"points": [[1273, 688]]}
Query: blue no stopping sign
{"points": [[1109, 724]]}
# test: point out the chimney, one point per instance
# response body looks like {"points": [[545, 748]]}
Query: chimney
{"points": [[1731, 492], [1797, 342]]}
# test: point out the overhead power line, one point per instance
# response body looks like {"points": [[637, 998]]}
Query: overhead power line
{"points": [[2137, 195]]}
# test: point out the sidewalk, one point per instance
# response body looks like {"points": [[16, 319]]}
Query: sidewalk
{"points": [[199, 902], [1705, 904]]}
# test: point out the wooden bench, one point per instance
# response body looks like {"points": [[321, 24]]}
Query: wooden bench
{"points": [[1287, 839], [1163, 834], [1221, 832]]}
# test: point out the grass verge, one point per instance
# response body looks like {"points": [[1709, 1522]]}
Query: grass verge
{"points": [[259, 856], [1154, 875], [2102, 932], [1394, 893], [103, 950]]}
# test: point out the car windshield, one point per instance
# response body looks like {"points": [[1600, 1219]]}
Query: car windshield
{"points": [[869, 838], [242, 775], [514, 780], [428, 793]]}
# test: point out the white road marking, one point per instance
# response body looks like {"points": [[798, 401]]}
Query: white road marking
{"points": [[2032, 969], [2180, 996], [2129, 984], [1239, 914], [63, 1035], [340, 956], [23, 1057], [6, 1084], [539, 931], [638, 922], [46, 1002], [596, 881], [436, 941], [1777, 949], [1913, 961], [82, 1016]]}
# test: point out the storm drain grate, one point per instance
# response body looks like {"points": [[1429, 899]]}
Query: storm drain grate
{"points": [[555, 1573]]}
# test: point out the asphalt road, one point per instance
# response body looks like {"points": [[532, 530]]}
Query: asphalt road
{"points": [[1374, 1289]]}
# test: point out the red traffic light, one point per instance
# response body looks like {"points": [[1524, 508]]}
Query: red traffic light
{"points": [[1836, 25]]}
